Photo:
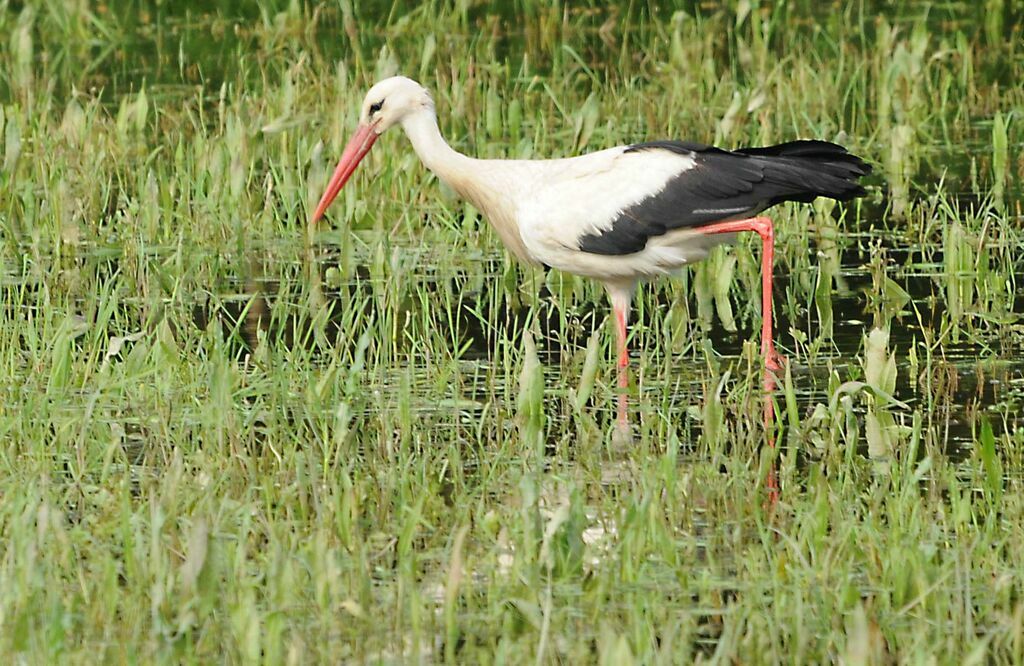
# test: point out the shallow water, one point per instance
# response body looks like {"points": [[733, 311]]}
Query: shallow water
{"points": [[980, 374]]}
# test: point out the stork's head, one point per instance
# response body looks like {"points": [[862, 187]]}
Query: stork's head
{"points": [[391, 100], [387, 103]]}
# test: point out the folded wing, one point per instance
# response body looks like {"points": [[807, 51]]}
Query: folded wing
{"points": [[725, 185]]}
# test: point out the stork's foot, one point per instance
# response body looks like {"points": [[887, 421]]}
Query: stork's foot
{"points": [[622, 431], [773, 365], [772, 486], [622, 436]]}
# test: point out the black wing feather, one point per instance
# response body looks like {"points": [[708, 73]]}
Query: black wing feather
{"points": [[727, 184]]}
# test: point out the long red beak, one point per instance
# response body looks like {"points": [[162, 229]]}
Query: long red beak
{"points": [[356, 150]]}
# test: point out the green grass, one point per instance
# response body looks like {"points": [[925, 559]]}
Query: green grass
{"points": [[227, 437]]}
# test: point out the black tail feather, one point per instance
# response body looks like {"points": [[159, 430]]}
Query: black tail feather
{"points": [[805, 170]]}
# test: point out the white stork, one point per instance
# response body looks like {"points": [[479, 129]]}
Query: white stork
{"points": [[621, 215]]}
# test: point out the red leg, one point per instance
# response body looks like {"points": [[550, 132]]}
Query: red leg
{"points": [[772, 361], [764, 227], [620, 306]]}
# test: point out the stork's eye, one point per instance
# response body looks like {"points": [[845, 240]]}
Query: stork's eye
{"points": [[376, 106]]}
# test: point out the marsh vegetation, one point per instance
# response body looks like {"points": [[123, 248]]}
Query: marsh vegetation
{"points": [[227, 435]]}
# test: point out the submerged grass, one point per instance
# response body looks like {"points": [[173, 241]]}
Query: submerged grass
{"points": [[225, 435]]}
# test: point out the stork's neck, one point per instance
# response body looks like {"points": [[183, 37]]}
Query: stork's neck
{"points": [[449, 164], [487, 188]]}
